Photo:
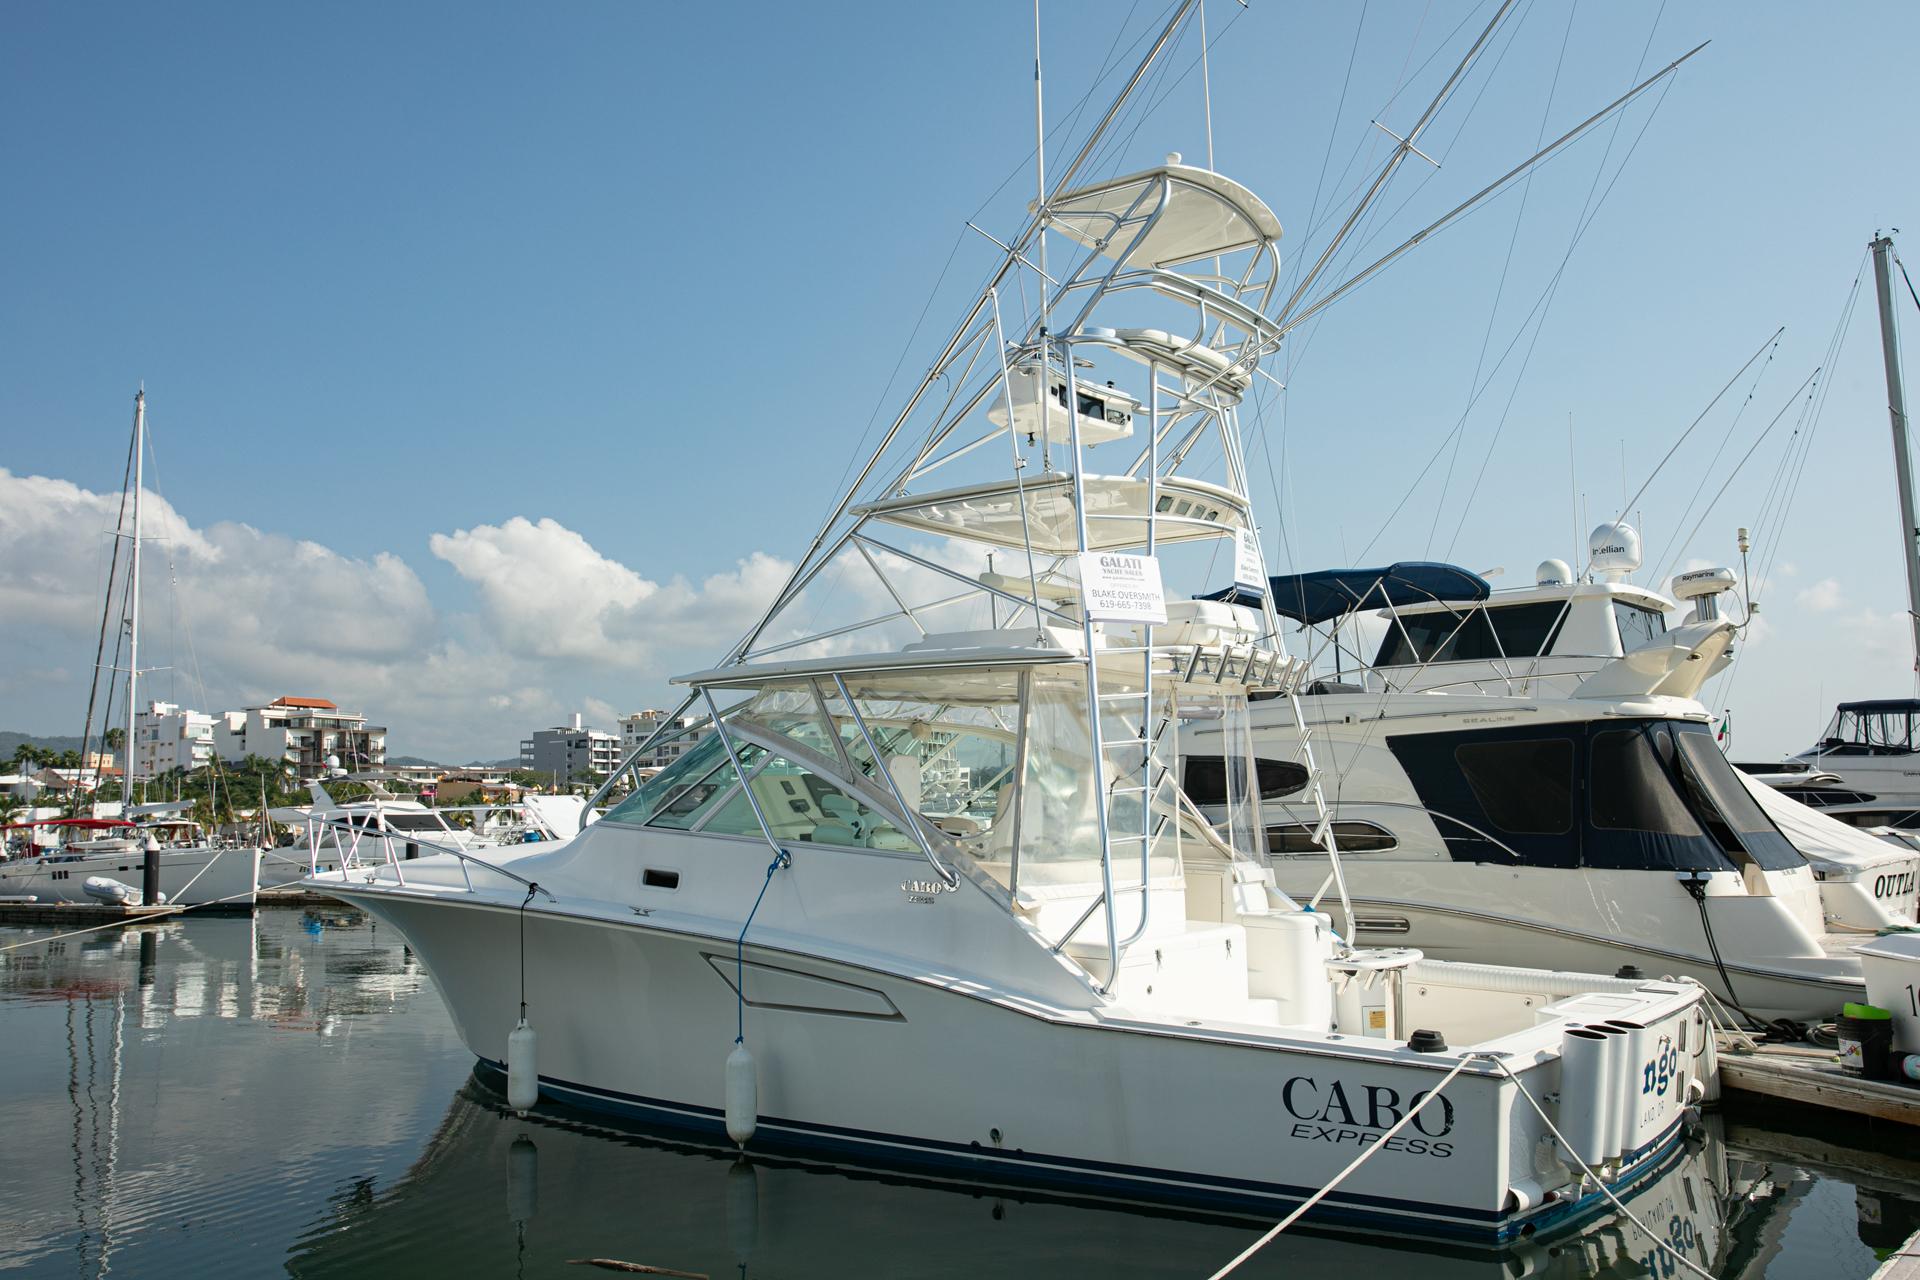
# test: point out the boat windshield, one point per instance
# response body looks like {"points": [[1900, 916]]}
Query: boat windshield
{"points": [[1873, 729], [1482, 635], [997, 765]]}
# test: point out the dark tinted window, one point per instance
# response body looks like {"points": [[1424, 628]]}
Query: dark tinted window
{"points": [[1524, 787], [1637, 626], [1824, 797], [1629, 788], [1508, 631], [1205, 779], [1351, 837], [1704, 766]]}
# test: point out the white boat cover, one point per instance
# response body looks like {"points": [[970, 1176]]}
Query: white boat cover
{"points": [[1820, 838]]}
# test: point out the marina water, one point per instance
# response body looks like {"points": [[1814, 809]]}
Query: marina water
{"points": [[285, 1094]]}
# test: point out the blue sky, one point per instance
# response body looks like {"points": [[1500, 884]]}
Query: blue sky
{"points": [[395, 274]]}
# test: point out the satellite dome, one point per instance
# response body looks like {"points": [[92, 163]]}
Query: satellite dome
{"points": [[1613, 550], [1553, 573]]}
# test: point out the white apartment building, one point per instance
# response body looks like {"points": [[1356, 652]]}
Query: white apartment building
{"points": [[168, 737], [638, 727], [571, 753], [304, 732]]}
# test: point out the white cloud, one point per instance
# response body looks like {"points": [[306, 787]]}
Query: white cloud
{"points": [[1871, 641], [1822, 597], [547, 593], [270, 615]]}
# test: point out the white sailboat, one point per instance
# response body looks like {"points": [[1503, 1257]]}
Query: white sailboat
{"points": [[193, 872], [932, 895]]}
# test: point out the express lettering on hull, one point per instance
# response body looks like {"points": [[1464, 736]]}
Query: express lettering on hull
{"points": [[1360, 1116]]}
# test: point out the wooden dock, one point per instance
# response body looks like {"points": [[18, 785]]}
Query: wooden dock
{"points": [[82, 915], [295, 897], [1812, 1077], [85, 915]]}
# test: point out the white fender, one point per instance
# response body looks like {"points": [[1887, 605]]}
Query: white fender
{"points": [[743, 1095], [523, 1072]]}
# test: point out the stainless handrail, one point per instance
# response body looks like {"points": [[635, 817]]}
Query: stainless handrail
{"points": [[387, 839]]}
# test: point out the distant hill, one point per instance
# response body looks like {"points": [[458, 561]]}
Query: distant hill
{"points": [[9, 740], [414, 761]]}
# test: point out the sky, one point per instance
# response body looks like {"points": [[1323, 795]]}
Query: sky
{"points": [[501, 360]]}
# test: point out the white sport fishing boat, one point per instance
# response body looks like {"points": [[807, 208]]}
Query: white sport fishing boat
{"points": [[384, 826], [1527, 777], [932, 897]]}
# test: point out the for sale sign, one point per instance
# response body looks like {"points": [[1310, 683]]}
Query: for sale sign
{"points": [[1122, 588], [1248, 572]]}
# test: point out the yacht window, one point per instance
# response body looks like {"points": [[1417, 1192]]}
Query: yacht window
{"points": [[1630, 790], [1638, 626], [1351, 837], [1872, 729], [1825, 797], [801, 806], [671, 784], [953, 765], [1525, 786], [1704, 766], [689, 806], [1204, 779], [1482, 635], [1737, 820]]}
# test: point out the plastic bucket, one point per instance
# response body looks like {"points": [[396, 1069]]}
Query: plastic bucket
{"points": [[1866, 1040]]}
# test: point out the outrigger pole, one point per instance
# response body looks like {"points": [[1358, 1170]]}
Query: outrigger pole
{"points": [[1012, 256]]}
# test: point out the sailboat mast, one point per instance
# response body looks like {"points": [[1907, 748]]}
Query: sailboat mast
{"points": [[1897, 410], [133, 594]]}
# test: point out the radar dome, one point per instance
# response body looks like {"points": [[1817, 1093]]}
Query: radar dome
{"points": [[1613, 550], [1553, 573]]}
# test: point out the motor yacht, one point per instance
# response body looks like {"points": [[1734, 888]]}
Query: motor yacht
{"points": [[1864, 771], [932, 895], [1527, 777]]}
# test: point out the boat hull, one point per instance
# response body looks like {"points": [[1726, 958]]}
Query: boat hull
{"points": [[866, 1065], [226, 878]]}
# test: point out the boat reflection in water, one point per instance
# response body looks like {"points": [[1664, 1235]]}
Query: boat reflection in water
{"points": [[559, 1184], [168, 1111]]}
